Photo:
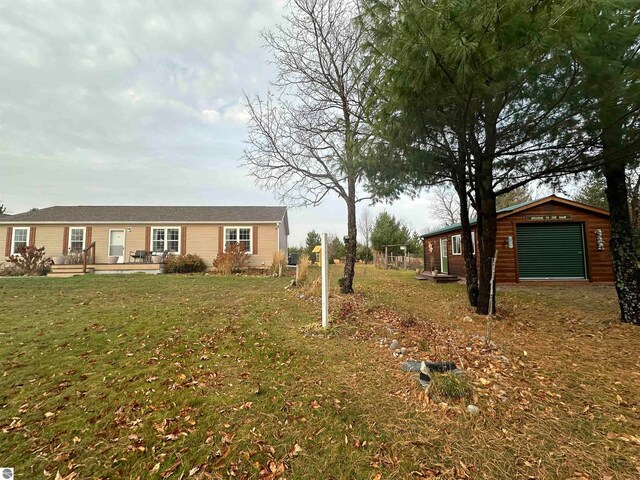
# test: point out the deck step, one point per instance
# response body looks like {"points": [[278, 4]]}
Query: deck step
{"points": [[72, 266], [63, 271]]}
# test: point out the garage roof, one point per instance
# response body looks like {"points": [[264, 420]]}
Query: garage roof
{"points": [[504, 212]]}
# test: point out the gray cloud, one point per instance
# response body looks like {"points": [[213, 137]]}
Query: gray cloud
{"points": [[136, 102]]}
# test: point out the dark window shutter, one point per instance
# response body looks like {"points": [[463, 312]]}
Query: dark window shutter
{"points": [[183, 240], [32, 237], [147, 239], [65, 240], [220, 240], [7, 247], [87, 240], [255, 239]]}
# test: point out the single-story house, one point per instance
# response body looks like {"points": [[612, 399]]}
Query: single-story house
{"points": [[547, 239], [120, 230]]}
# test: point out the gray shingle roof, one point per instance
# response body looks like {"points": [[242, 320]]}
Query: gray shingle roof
{"points": [[151, 214]]}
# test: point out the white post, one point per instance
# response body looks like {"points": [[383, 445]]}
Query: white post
{"points": [[325, 281]]}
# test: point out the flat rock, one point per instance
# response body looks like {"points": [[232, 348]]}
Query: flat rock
{"points": [[440, 367], [473, 410], [393, 345], [410, 366]]}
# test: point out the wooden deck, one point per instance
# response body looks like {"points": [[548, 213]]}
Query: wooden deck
{"points": [[441, 278], [61, 271]]}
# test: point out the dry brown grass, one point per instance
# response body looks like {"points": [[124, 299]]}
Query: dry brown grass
{"points": [[160, 376], [560, 395], [303, 268], [277, 264]]}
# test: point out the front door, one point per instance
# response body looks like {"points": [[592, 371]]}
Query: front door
{"points": [[116, 244], [444, 260]]}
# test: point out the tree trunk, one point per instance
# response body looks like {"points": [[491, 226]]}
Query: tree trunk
{"points": [[470, 267], [623, 253], [487, 231], [350, 258]]}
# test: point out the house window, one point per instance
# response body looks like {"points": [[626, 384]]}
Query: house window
{"points": [[165, 239], [241, 235], [20, 239], [456, 245], [76, 239]]}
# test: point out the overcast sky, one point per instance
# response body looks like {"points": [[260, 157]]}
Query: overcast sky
{"points": [[133, 102]]}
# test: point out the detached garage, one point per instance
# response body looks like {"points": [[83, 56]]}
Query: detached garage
{"points": [[551, 239]]}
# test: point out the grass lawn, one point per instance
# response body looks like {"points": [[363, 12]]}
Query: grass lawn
{"points": [[216, 377]]}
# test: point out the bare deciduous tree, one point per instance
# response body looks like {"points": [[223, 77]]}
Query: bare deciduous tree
{"points": [[304, 139], [445, 204], [365, 226]]}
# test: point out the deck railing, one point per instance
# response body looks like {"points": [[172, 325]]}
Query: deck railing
{"points": [[91, 247]]}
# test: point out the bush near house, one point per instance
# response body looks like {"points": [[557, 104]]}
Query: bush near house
{"points": [[29, 261], [234, 260], [189, 263]]}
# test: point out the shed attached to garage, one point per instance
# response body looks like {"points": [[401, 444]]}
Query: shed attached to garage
{"points": [[551, 239]]}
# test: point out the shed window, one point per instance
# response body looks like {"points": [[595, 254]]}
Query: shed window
{"points": [[20, 239], [241, 235], [456, 245]]}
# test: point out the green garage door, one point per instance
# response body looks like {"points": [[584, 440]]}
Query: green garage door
{"points": [[550, 251]]}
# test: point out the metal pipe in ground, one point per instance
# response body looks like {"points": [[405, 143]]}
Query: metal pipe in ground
{"points": [[325, 281]]}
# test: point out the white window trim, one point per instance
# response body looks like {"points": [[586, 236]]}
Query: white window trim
{"points": [[224, 238], [473, 244], [453, 244], [13, 238], [154, 252], [84, 237], [444, 254]]}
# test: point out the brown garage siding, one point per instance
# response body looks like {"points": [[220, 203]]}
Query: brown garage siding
{"points": [[599, 267]]}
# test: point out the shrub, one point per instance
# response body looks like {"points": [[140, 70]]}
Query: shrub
{"points": [[30, 261], [449, 386], [10, 271], [189, 263], [278, 262], [234, 260]]}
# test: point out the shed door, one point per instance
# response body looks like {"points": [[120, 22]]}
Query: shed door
{"points": [[444, 260], [551, 251]]}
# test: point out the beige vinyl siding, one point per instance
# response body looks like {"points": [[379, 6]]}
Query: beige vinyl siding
{"points": [[49, 237], [267, 245], [283, 239], [3, 239], [133, 240], [202, 239]]}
